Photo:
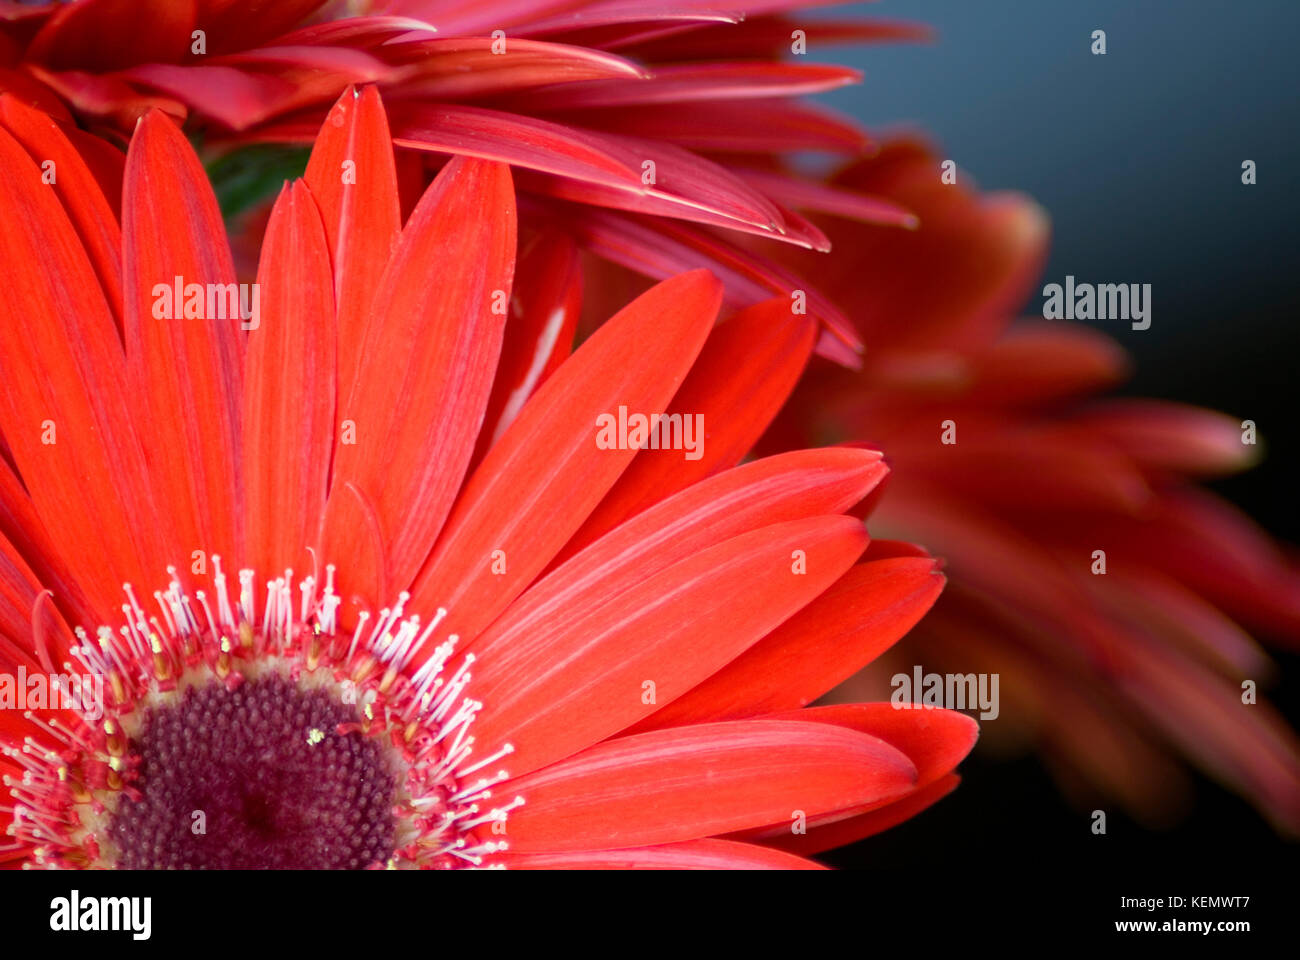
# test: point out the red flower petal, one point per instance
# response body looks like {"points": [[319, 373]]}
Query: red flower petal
{"points": [[687, 855], [1164, 608], [289, 398], [1251, 747], [610, 25], [761, 36], [62, 365], [1042, 361], [1166, 436], [991, 247], [18, 591], [862, 615], [699, 81], [1026, 466], [686, 187], [544, 309], [661, 248], [90, 213], [354, 180], [934, 740], [569, 682], [106, 96], [745, 372], [187, 370], [840, 833], [987, 554], [103, 35], [106, 162], [18, 12], [473, 16], [237, 98], [744, 126], [546, 473], [429, 354], [470, 67], [1211, 547], [511, 138], [248, 23], [21, 84], [20, 525], [296, 62], [692, 782], [892, 549], [790, 486], [818, 197], [361, 32]]}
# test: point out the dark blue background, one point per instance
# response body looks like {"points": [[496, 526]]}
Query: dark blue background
{"points": [[1136, 155]]}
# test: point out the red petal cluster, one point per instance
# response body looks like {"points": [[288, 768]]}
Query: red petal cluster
{"points": [[615, 115], [182, 434]]}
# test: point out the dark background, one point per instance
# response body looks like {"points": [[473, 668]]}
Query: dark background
{"points": [[1136, 155]]}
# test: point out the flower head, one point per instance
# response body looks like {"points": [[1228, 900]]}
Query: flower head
{"points": [[1114, 596], [424, 596], [613, 115]]}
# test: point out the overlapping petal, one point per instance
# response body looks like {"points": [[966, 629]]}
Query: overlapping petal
{"points": [[675, 111], [257, 436]]}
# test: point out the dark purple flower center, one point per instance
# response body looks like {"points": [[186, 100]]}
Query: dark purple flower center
{"points": [[255, 778]]}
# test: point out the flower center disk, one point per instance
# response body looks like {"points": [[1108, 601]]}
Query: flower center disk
{"points": [[220, 743], [255, 777]]}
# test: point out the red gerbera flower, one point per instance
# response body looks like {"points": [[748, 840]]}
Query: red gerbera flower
{"points": [[1113, 660], [648, 112], [598, 655]]}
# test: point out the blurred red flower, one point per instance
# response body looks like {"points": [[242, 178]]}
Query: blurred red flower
{"points": [[1110, 675]]}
